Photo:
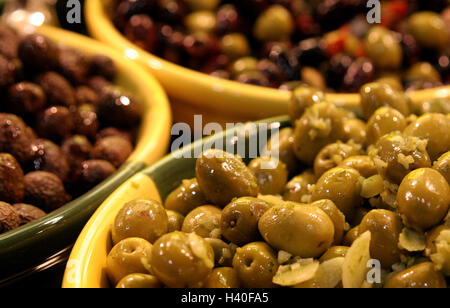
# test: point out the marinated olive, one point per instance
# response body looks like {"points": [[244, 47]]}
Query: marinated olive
{"points": [[302, 98], [383, 48], [429, 29], [275, 24], [223, 277], [139, 281], [334, 252], [336, 216], [383, 121], [333, 154], [362, 163], [299, 186], [185, 198], [174, 220], [443, 166], [271, 174], [420, 276], [12, 189], [204, 221]]}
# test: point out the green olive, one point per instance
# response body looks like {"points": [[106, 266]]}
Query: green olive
{"points": [[185, 197], [243, 65], [443, 166], [420, 276], [274, 24], [431, 237], [302, 230], [281, 145], [223, 252], [333, 154], [175, 221], [355, 129], [302, 98], [351, 236], [422, 71], [182, 260], [385, 228], [223, 177], [362, 163], [139, 281], [239, 221], [255, 264], [383, 121], [342, 185], [336, 216], [423, 198], [270, 173], [375, 95], [146, 219], [383, 48], [299, 186], [129, 256], [435, 128], [223, 277], [334, 252], [429, 29], [235, 45], [200, 21], [204, 221]]}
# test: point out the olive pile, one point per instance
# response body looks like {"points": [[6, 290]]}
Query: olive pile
{"points": [[340, 184], [284, 43], [64, 126]]}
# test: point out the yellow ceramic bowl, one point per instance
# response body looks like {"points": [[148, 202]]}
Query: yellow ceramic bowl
{"points": [[25, 249], [192, 92]]}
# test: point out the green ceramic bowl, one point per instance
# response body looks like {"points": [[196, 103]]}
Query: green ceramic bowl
{"points": [[47, 241], [86, 265]]}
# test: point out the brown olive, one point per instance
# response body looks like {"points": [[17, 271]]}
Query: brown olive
{"points": [[103, 66], [204, 221], [333, 154], [116, 150], [362, 163], [420, 276], [74, 65], [299, 186], [25, 98], [55, 123], [423, 198], [435, 128], [15, 137], [77, 149], [139, 281], [182, 260], [383, 121], [86, 121], [129, 256], [38, 52], [255, 264], [342, 185], [270, 173], [9, 218], [12, 189], [94, 171], [185, 197], [222, 176], [336, 216], [47, 156], [116, 108], [223, 277], [301, 229], [145, 219], [239, 220], [86, 95], [385, 228], [57, 89], [28, 213]]}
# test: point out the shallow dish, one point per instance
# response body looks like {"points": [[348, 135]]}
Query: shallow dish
{"points": [[44, 242], [192, 92]]}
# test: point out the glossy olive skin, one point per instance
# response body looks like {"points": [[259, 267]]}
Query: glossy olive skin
{"points": [[204, 221], [174, 221], [331, 155], [223, 252], [182, 260], [336, 216], [302, 98], [383, 48], [429, 29], [300, 229], [200, 21], [235, 45], [185, 197], [362, 163], [422, 71], [223, 277], [222, 176], [146, 219], [383, 121], [423, 198], [392, 147], [431, 237], [385, 228], [443, 166], [434, 127], [334, 252], [281, 145], [342, 185], [355, 129], [129, 256], [351, 236], [422, 275], [299, 186], [375, 95], [270, 173], [274, 24], [255, 264], [320, 125], [239, 220], [12, 189], [139, 281]]}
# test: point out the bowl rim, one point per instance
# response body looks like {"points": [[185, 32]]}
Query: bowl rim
{"points": [[78, 270], [228, 97], [152, 144]]}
